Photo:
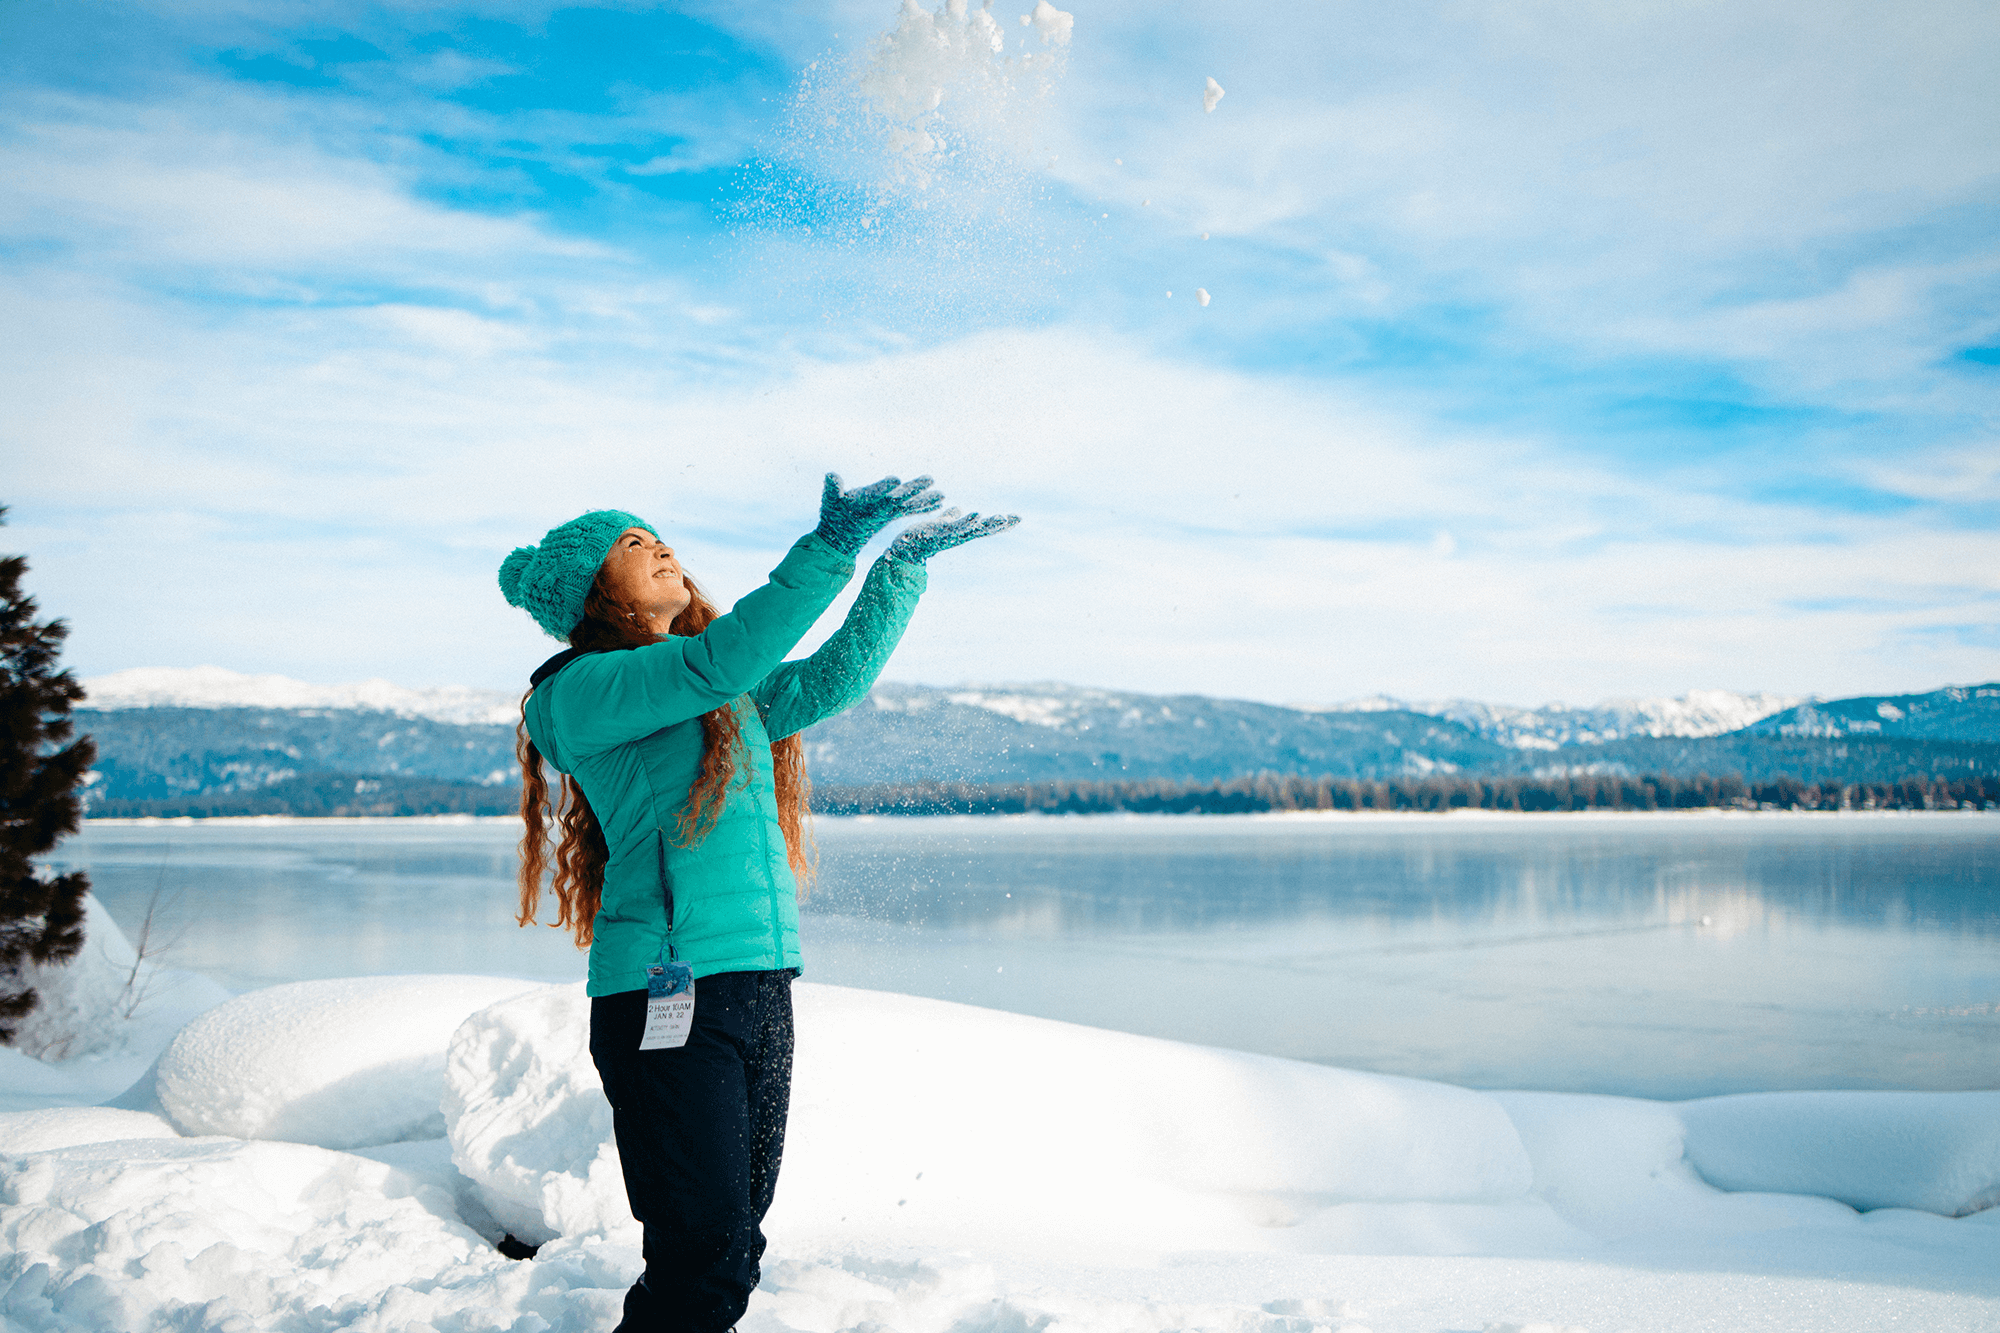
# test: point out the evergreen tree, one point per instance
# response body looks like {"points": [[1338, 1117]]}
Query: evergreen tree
{"points": [[41, 916]]}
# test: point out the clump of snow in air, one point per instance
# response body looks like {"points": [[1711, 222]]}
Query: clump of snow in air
{"points": [[1201, 295], [913, 170], [952, 1168], [939, 92], [1211, 95]]}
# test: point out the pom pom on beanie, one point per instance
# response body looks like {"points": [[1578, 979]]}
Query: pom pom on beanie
{"points": [[551, 581], [511, 570]]}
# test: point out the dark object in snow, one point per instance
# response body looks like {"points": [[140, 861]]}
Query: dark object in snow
{"points": [[41, 917], [516, 1249]]}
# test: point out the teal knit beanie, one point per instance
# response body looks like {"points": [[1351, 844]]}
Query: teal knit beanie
{"points": [[551, 581]]}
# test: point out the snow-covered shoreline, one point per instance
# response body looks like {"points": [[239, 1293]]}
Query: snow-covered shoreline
{"points": [[344, 1154]]}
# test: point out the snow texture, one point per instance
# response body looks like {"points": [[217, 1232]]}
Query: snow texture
{"points": [[1938, 1151], [528, 1122], [232, 1236], [67, 1126], [957, 1170], [1090, 1118], [339, 1063]]}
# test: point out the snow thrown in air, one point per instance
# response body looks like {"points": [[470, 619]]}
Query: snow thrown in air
{"points": [[909, 177]]}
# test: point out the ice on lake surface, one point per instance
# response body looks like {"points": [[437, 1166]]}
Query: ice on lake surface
{"points": [[1653, 955]]}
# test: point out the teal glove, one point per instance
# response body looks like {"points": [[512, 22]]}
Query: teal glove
{"points": [[847, 519], [921, 541]]}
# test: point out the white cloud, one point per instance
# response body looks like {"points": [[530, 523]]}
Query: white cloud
{"points": [[320, 482], [1187, 528], [1968, 475], [263, 209], [1807, 188]]}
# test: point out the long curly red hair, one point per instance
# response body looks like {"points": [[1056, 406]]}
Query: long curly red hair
{"points": [[581, 852]]}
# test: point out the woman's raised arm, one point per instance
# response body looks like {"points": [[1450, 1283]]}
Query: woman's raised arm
{"points": [[845, 668], [607, 699]]}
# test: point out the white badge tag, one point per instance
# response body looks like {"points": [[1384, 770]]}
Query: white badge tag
{"points": [[669, 1006]]}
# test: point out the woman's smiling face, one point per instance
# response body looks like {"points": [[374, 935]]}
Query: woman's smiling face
{"points": [[642, 573]]}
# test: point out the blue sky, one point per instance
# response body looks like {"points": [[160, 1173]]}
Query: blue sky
{"points": [[1555, 351]]}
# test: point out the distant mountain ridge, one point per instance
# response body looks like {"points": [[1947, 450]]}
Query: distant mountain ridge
{"points": [[1552, 726], [166, 738], [1957, 712], [1030, 732], [214, 687], [1045, 703]]}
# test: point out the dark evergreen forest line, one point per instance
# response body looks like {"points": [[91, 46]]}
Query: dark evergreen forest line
{"points": [[350, 795], [1270, 792]]}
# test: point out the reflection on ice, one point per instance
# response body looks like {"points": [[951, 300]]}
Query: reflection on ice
{"points": [[1556, 952]]}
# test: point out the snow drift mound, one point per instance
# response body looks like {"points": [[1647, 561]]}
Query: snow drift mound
{"points": [[68, 1126], [1938, 1151], [942, 1119], [107, 1000], [528, 1121], [340, 1064], [218, 1235]]}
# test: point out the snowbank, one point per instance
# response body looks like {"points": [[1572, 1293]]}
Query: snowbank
{"points": [[69, 1126], [528, 1121], [1020, 1135], [107, 1001], [1938, 1151], [221, 1235], [339, 1063], [956, 1170]]}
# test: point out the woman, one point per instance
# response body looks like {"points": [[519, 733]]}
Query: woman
{"points": [[682, 813]]}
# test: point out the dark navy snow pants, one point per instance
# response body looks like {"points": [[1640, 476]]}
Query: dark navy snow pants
{"points": [[701, 1131]]}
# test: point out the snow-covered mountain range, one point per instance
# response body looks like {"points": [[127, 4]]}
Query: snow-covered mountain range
{"points": [[1050, 704], [217, 687], [1957, 712], [1696, 713], [167, 735]]}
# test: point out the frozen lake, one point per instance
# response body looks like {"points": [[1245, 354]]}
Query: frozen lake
{"points": [[1672, 955]]}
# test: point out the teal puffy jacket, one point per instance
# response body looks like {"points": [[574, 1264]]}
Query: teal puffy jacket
{"points": [[627, 726]]}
